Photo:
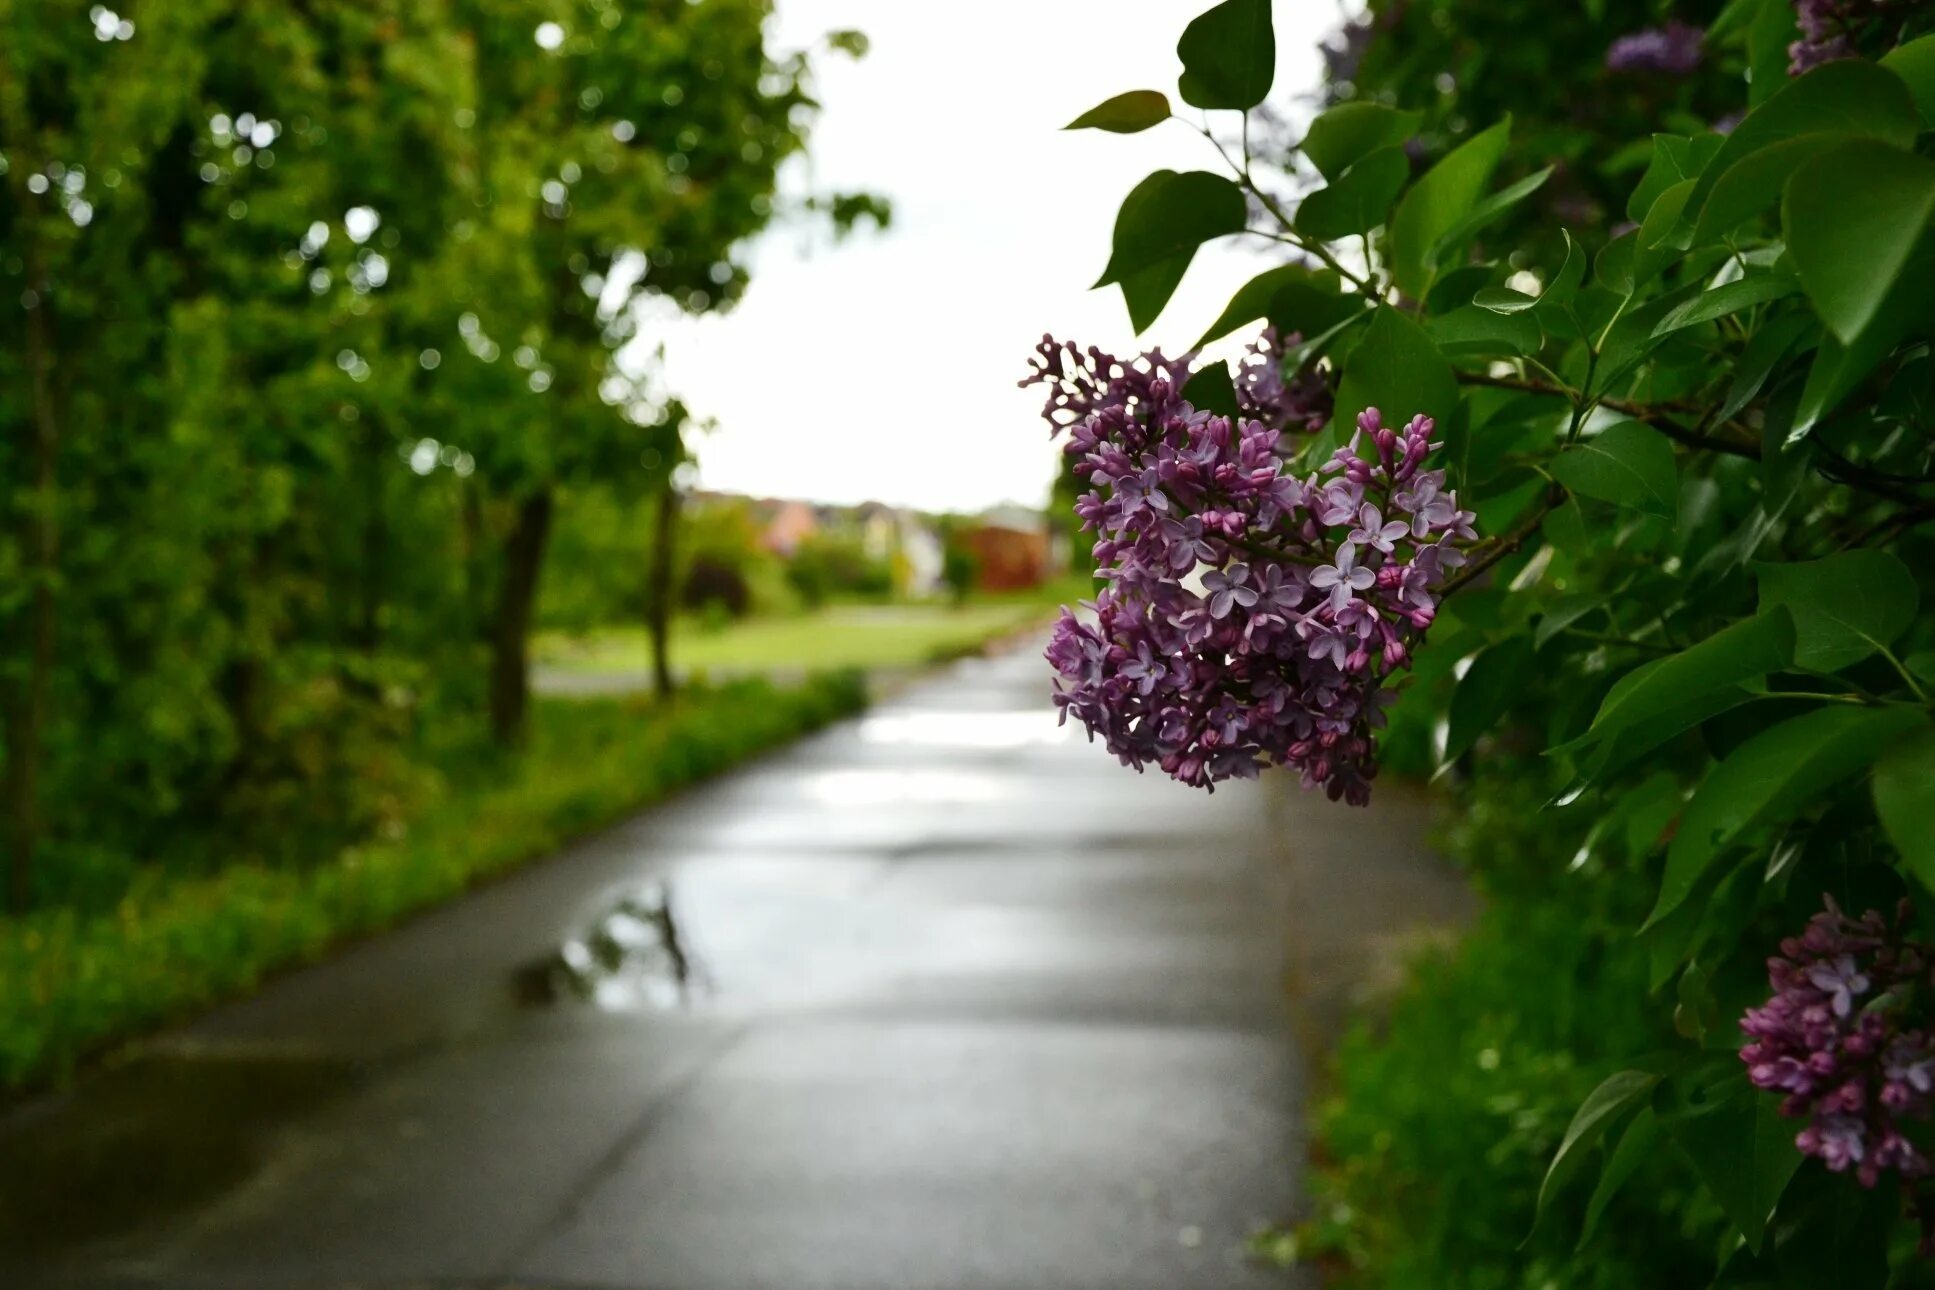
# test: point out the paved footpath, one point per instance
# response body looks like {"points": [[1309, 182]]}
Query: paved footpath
{"points": [[942, 997]]}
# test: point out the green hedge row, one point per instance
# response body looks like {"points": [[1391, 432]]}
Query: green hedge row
{"points": [[71, 985]]}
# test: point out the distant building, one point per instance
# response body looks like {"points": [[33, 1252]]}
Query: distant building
{"points": [[788, 525], [1011, 548]]}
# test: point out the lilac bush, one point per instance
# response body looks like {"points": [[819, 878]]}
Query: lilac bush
{"points": [[1251, 617], [1841, 1040]]}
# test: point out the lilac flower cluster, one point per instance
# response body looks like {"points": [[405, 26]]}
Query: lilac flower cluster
{"points": [[1251, 617], [1297, 403], [1837, 1039], [1828, 29], [1673, 49]]}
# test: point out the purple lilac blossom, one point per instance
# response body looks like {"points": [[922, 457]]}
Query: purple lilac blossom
{"points": [[1241, 625], [1673, 49], [1837, 1041], [1828, 29], [1300, 402]]}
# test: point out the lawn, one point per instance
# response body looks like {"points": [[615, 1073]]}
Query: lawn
{"points": [[862, 636]]}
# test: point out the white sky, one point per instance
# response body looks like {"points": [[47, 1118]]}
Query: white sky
{"points": [[885, 368]]}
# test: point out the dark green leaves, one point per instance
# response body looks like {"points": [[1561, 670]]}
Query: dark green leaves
{"points": [[1495, 678], [1845, 607], [1294, 297], [1736, 1140], [1627, 464], [1357, 200], [1437, 202], [1841, 99], [1770, 778], [1662, 689], [1353, 130], [1619, 1093], [1854, 217], [1162, 222], [1398, 370], [1492, 208], [1229, 56], [1904, 790], [1125, 113], [1915, 64], [1725, 300]]}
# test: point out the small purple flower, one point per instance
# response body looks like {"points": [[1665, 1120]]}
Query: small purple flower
{"points": [[1673, 49], [1373, 531], [1342, 578], [1841, 980], [1228, 590]]}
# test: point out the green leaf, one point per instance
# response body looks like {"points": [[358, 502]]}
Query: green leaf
{"points": [[1396, 368], [1486, 211], [1295, 297], [1356, 201], [1473, 330], [1503, 300], [1340, 136], [1845, 607], [1557, 293], [1170, 214], [1663, 688], [1840, 98], [1636, 1146], [1769, 36], [1146, 291], [1770, 778], [1563, 613], [1725, 300], [1618, 1093], [1494, 679], [1229, 56], [1905, 800], [1437, 202], [1915, 64], [1210, 389], [1755, 184], [1129, 113], [1674, 158], [1764, 352], [1627, 464], [1661, 237], [1737, 1141], [1854, 218]]}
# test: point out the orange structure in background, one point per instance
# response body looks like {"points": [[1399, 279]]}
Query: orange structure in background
{"points": [[1007, 558]]}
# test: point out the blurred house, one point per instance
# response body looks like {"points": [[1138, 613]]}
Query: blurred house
{"points": [[789, 524], [904, 539], [1010, 545]]}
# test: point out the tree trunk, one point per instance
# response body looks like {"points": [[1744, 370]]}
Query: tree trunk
{"points": [[376, 538], [510, 630], [24, 695], [658, 588]]}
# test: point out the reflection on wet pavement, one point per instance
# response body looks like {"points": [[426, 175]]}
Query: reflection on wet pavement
{"points": [[942, 999], [632, 957]]}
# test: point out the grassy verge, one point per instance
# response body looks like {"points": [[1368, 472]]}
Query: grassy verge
{"points": [[70, 986], [864, 636]]}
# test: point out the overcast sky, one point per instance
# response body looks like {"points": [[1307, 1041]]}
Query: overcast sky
{"points": [[885, 368]]}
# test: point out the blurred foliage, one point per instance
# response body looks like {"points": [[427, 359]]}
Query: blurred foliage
{"points": [[308, 326], [71, 982]]}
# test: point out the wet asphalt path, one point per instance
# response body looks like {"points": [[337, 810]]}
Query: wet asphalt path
{"points": [[969, 1006]]}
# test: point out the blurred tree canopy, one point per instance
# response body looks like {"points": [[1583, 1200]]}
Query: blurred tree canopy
{"points": [[307, 314]]}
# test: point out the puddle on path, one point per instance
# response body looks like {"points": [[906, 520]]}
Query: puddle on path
{"points": [[146, 1141], [633, 957]]}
